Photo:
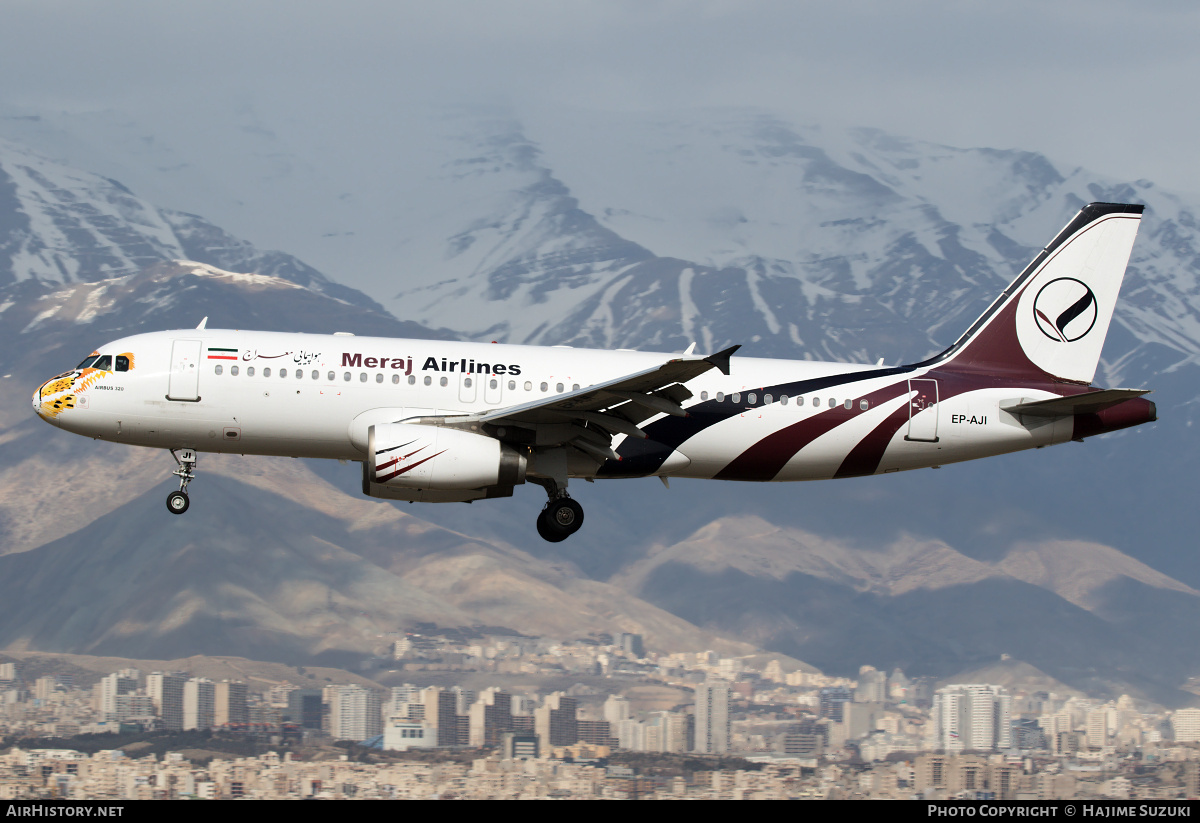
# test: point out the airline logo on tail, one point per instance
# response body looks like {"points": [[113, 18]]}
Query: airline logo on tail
{"points": [[1065, 309]]}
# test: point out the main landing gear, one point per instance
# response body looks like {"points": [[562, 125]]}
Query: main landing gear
{"points": [[561, 517], [177, 502]]}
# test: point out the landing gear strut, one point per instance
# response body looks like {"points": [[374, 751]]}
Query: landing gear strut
{"points": [[561, 517], [177, 502]]}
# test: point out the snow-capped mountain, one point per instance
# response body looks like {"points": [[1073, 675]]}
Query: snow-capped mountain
{"points": [[61, 224], [652, 232]]}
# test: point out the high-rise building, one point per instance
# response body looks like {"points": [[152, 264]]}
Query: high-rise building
{"points": [[1186, 725], [132, 706], [631, 644], [231, 703], [105, 693], [166, 692], [555, 721], [199, 703], [832, 699], [401, 697], [665, 732], [304, 708], [859, 719], [712, 718], [872, 686], [972, 718], [490, 717], [441, 713], [616, 708], [355, 713]]}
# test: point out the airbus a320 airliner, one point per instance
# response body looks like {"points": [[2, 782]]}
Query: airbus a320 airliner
{"points": [[457, 422]]}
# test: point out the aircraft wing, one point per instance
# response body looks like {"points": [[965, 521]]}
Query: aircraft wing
{"points": [[615, 406]]}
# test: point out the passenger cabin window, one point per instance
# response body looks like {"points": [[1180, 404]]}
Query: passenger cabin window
{"points": [[316, 375], [720, 397], [863, 404], [428, 380], [444, 381], [412, 380], [703, 395], [267, 371], [233, 370], [249, 371], [217, 369], [123, 363], [379, 377], [396, 379], [331, 376]]}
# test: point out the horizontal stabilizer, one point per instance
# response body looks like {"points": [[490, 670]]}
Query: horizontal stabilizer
{"points": [[1088, 403]]}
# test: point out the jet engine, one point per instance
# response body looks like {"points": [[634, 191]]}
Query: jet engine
{"points": [[436, 464]]}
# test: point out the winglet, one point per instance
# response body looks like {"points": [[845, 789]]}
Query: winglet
{"points": [[203, 322], [721, 359]]}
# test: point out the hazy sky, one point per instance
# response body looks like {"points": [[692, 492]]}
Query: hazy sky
{"points": [[1106, 84]]}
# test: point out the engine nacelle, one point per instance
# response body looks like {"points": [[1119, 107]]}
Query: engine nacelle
{"points": [[407, 461]]}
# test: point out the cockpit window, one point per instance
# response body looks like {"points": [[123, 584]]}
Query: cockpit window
{"points": [[87, 361], [123, 363], [104, 363]]}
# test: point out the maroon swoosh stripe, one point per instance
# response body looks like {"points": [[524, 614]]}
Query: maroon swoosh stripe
{"points": [[768, 456], [864, 458], [395, 460], [406, 469]]}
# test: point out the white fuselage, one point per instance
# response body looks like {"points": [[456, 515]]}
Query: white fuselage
{"points": [[304, 395]]}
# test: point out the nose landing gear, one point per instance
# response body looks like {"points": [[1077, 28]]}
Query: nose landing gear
{"points": [[177, 502]]}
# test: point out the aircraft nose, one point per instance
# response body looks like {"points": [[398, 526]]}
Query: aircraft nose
{"points": [[53, 396]]}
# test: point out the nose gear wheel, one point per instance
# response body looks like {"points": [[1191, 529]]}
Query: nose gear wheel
{"points": [[178, 502]]}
